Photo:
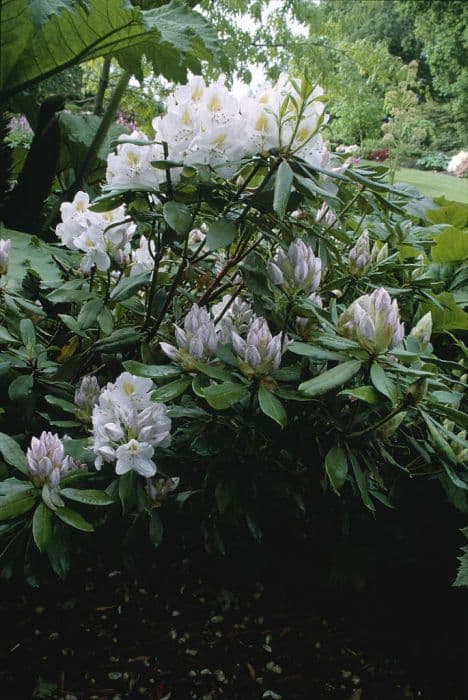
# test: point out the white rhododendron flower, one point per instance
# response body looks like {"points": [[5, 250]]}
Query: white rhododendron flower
{"points": [[135, 456], [128, 426], [5, 246], [208, 124], [46, 460], [196, 341], [93, 244], [260, 353], [196, 236], [101, 237], [130, 168], [374, 321], [235, 315], [297, 270], [143, 261]]}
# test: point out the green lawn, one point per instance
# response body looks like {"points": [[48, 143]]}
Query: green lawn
{"points": [[435, 184]]}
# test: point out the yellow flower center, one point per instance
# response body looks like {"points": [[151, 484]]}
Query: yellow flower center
{"points": [[197, 93], [133, 159], [186, 118], [219, 140], [262, 123], [214, 104]]}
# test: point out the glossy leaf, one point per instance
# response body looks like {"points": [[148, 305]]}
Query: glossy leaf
{"points": [[272, 407], [42, 526], [332, 378], [91, 497], [12, 453], [220, 234], [73, 519], [282, 191], [177, 215], [225, 395], [336, 466]]}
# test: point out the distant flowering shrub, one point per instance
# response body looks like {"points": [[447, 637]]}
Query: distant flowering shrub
{"points": [[20, 132], [379, 154], [458, 164], [237, 327], [342, 149]]}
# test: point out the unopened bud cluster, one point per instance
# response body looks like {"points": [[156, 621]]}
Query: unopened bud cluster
{"points": [[47, 463], [373, 320], [461, 452], [296, 271], [423, 330], [260, 353], [305, 326], [197, 341], [235, 315], [361, 257], [86, 397]]}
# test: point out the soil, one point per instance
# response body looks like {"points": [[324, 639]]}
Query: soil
{"points": [[198, 628]]}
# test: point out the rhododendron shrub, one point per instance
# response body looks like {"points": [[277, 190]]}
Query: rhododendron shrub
{"points": [[240, 324]]}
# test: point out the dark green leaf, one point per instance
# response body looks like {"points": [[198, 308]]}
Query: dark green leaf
{"points": [[12, 453], [17, 503], [331, 379], [177, 215], [127, 491], [128, 286], [6, 337], [66, 406], [91, 497], [42, 526], [105, 321], [20, 388], [120, 339], [221, 234], [58, 551], [336, 466], [225, 395], [223, 495], [151, 371], [213, 371], [383, 383], [272, 407], [173, 37], [314, 352], [309, 187], [74, 519], [283, 185], [361, 480], [169, 392], [156, 529], [363, 393], [28, 335], [89, 313]]}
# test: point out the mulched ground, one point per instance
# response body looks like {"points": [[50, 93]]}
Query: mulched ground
{"points": [[194, 629]]}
